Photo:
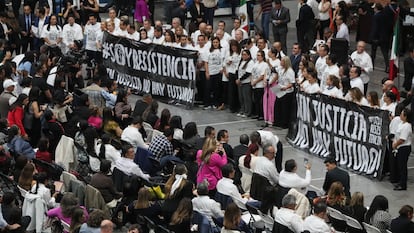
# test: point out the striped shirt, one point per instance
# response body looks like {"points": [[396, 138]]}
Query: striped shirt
{"points": [[266, 6]]}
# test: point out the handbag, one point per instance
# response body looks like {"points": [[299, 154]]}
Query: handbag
{"points": [[28, 117]]}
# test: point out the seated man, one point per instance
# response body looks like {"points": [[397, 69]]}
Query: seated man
{"points": [[316, 222], [287, 216], [161, 145], [105, 185], [288, 178], [205, 205], [225, 186], [126, 163], [265, 167]]}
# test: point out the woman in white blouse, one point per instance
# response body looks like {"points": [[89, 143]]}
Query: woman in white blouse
{"points": [[231, 63], [357, 96], [269, 97], [260, 72], [402, 143], [283, 104], [332, 87], [247, 163], [214, 70], [245, 89], [389, 102], [310, 85], [52, 33]]}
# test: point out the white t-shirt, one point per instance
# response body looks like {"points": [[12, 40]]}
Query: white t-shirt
{"points": [[259, 69], [311, 88], [133, 36], [159, 40], [405, 133], [234, 59], [71, 33], [215, 61], [357, 82], [92, 33], [286, 78], [248, 69], [390, 107], [202, 54], [333, 92], [53, 34]]}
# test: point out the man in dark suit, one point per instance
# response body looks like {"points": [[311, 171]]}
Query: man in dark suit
{"points": [[141, 105], [209, 132], [280, 18], [26, 20], [403, 224], [335, 174], [239, 151], [223, 138], [409, 69], [197, 13], [304, 26], [296, 57]]}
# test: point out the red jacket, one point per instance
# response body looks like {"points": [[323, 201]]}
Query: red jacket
{"points": [[15, 117]]}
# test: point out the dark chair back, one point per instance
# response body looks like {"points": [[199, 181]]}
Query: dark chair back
{"points": [[223, 199], [280, 228], [258, 186]]}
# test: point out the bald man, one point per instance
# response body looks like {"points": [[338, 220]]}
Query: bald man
{"points": [[107, 226], [388, 85], [362, 59]]}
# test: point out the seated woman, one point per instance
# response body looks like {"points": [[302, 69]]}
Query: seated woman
{"points": [[378, 215], [336, 197], [17, 145], [123, 109], [26, 177], [104, 184], [78, 218], [181, 219], [93, 225], [247, 163], [357, 208], [145, 207], [40, 189], [65, 211], [232, 219], [176, 188]]}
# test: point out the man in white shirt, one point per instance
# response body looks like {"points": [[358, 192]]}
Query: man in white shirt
{"points": [[316, 222], [262, 46], [265, 167], [184, 43], [158, 37], [201, 31], [132, 135], [226, 186], [288, 177], [320, 64], [92, 31], [362, 59], [223, 42], [150, 29], [71, 32], [122, 30], [132, 33], [330, 69], [287, 216], [205, 205], [113, 18], [343, 31], [236, 26], [356, 81], [222, 25], [126, 163]]}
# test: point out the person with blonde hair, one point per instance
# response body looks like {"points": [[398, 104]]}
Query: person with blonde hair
{"points": [[283, 104], [176, 188], [144, 206], [181, 219], [232, 218], [210, 159], [357, 207], [336, 196]]}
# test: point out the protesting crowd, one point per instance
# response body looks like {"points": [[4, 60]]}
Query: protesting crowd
{"points": [[77, 156]]}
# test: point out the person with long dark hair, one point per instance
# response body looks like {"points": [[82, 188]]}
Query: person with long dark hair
{"points": [[260, 72], [150, 114], [37, 111], [247, 163], [52, 32], [163, 122], [110, 126], [16, 114], [214, 68], [181, 219], [245, 89], [123, 109], [176, 126], [231, 61], [44, 192], [378, 215], [103, 182]]}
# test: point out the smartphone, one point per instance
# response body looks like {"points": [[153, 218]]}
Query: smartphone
{"points": [[305, 161]]}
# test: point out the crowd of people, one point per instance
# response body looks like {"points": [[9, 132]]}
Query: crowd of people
{"points": [[41, 114]]}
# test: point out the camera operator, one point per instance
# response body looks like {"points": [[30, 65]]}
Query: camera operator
{"points": [[71, 64]]}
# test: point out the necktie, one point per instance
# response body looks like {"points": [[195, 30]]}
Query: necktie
{"points": [[278, 13], [27, 23]]}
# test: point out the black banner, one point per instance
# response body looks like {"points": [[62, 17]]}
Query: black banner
{"points": [[329, 126], [151, 68]]}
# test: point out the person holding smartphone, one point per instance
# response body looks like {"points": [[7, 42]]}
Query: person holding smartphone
{"points": [[288, 177]]}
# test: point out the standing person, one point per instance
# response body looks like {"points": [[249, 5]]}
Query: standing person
{"points": [[71, 32], [335, 174], [379, 36], [90, 7], [231, 61], [362, 59], [324, 8], [304, 25], [16, 114], [260, 72], [52, 32], [245, 90], [269, 97], [41, 20], [286, 80], [213, 66], [265, 10], [210, 7], [280, 19], [5, 96], [91, 32], [26, 20], [402, 143], [197, 10], [37, 111]]}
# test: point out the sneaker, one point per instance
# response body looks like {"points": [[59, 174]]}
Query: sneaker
{"points": [[240, 114], [171, 102], [214, 107], [244, 116], [207, 107]]}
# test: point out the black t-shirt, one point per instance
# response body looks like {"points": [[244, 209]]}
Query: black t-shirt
{"points": [[40, 82]]}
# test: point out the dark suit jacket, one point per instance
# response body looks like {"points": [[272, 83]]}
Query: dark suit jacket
{"points": [[295, 62], [334, 175], [23, 23], [284, 16], [305, 18], [239, 151], [194, 12], [408, 72], [140, 107], [402, 225]]}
